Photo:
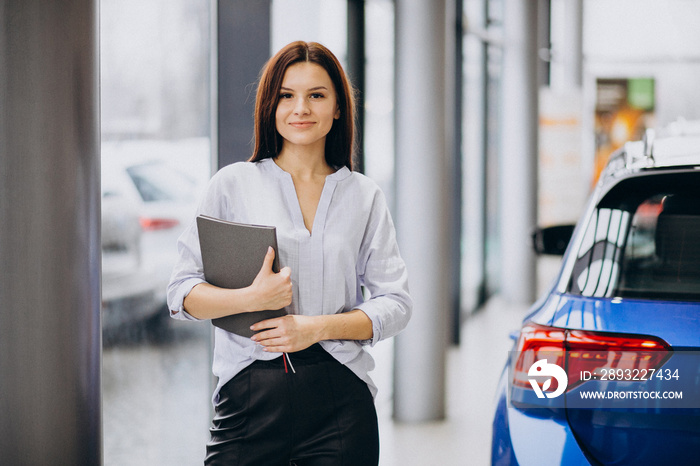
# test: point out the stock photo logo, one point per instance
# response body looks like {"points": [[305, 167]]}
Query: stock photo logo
{"points": [[544, 369]]}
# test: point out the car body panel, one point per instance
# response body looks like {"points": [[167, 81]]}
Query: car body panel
{"points": [[680, 326], [531, 438]]}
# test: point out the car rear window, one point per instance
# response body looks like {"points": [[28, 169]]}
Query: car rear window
{"points": [[643, 241], [159, 182]]}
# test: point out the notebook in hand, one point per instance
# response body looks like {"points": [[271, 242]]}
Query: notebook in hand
{"points": [[232, 255]]}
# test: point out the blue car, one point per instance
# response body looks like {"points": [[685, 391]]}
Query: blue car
{"points": [[605, 368]]}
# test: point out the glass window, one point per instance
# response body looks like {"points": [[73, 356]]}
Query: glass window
{"points": [[597, 266], [378, 131], [155, 125], [301, 20], [663, 258], [482, 125], [643, 241]]}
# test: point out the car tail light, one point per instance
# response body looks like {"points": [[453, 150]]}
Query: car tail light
{"points": [[579, 352], [538, 342], [152, 224]]}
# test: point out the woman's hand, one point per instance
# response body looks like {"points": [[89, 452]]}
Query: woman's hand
{"points": [[297, 332], [269, 291], [272, 290], [287, 334]]}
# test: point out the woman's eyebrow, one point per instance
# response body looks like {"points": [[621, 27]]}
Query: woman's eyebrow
{"points": [[317, 88]]}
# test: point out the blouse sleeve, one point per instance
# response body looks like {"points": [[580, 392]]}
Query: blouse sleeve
{"points": [[383, 273], [188, 270]]}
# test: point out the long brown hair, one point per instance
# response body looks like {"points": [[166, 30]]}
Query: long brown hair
{"points": [[340, 139]]}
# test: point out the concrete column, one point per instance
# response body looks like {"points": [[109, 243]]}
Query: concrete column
{"points": [[544, 42], [567, 44], [356, 71], [50, 345], [422, 191], [518, 168], [453, 135], [242, 48]]}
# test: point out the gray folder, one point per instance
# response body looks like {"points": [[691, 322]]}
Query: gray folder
{"points": [[232, 255]]}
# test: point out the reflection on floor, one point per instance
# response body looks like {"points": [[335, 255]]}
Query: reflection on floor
{"points": [[156, 397]]}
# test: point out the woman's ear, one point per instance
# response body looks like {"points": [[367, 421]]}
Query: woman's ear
{"points": [[337, 113]]}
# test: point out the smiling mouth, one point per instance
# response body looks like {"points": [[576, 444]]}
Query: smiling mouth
{"points": [[302, 124]]}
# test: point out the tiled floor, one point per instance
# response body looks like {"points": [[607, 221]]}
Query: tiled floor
{"points": [[156, 398]]}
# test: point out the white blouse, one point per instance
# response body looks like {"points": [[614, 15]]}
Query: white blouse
{"points": [[352, 245]]}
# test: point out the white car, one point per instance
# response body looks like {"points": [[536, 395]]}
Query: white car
{"points": [[163, 200], [129, 289]]}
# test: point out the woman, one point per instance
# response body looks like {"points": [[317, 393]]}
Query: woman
{"points": [[335, 236]]}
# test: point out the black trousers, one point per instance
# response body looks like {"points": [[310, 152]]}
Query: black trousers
{"points": [[322, 415]]}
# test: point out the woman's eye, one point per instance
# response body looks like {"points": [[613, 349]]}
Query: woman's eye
{"points": [[285, 95], [317, 95]]}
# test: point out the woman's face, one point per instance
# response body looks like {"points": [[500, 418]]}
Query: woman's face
{"points": [[307, 106]]}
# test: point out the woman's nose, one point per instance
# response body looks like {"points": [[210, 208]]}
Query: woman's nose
{"points": [[301, 106]]}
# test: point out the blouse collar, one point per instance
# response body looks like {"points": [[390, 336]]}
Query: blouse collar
{"points": [[340, 174]]}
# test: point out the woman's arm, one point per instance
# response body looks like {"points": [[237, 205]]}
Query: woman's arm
{"points": [[269, 290], [296, 332]]}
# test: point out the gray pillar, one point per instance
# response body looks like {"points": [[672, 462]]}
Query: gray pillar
{"points": [[50, 346], [544, 42], [356, 72], [453, 102], [422, 219], [567, 53], [518, 168], [243, 47]]}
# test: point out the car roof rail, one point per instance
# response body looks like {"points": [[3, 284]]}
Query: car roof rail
{"points": [[649, 136], [640, 153], [677, 144]]}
